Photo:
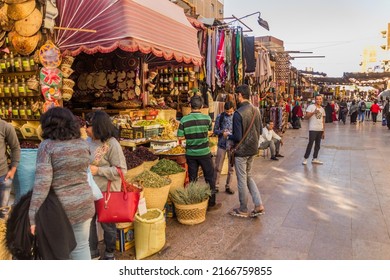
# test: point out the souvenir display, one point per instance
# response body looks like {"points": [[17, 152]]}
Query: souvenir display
{"points": [[50, 55]]}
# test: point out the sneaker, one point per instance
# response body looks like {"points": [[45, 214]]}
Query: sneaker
{"points": [[279, 155], [304, 162], [274, 158], [229, 190], [316, 161]]}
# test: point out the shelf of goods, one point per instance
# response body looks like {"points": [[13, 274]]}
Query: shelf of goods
{"points": [[170, 78]]}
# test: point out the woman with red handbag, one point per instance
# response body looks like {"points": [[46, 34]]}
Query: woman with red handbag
{"points": [[107, 155]]}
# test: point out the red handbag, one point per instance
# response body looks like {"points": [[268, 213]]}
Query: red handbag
{"points": [[117, 207]]}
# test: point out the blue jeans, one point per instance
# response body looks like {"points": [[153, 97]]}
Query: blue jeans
{"points": [[109, 236], [81, 233], [5, 190], [245, 182], [361, 116]]}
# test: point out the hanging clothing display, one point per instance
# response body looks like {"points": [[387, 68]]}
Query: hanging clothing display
{"points": [[249, 54], [263, 73]]}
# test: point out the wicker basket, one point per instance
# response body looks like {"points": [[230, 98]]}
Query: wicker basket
{"points": [[191, 214], [177, 181], [149, 164], [131, 173], [156, 197], [4, 253]]}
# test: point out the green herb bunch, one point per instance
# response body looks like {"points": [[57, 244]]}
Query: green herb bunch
{"points": [[166, 167], [195, 192]]}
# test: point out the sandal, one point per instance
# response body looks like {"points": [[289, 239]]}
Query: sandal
{"points": [[256, 213], [229, 191], [237, 213]]}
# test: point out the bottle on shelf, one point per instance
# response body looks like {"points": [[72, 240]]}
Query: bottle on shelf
{"points": [[15, 110], [3, 64], [15, 88], [18, 63], [7, 88], [22, 87], [26, 63], [4, 109], [28, 109], [9, 109], [33, 65], [12, 62], [23, 110], [7, 63], [2, 87]]}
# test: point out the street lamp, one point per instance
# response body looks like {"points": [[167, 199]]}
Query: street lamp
{"points": [[263, 23]]}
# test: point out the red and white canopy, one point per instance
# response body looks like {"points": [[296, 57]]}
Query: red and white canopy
{"points": [[149, 26]]}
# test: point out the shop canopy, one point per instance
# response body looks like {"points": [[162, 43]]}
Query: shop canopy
{"points": [[148, 26]]}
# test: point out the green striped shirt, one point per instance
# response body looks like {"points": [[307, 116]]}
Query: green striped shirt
{"points": [[194, 127]]}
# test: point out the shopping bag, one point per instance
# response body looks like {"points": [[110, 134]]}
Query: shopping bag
{"points": [[117, 207]]}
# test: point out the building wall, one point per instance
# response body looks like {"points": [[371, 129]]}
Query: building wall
{"points": [[208, 8]]}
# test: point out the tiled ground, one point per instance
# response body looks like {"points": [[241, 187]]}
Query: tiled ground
{"points": [[340, 210]]}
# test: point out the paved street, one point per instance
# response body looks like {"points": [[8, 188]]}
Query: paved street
{"points": [[339, 210]]}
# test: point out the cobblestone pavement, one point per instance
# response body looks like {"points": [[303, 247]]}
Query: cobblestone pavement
{"points": [[338, 210]]}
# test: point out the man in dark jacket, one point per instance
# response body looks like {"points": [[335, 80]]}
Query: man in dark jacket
{"points": [[247, 128]]}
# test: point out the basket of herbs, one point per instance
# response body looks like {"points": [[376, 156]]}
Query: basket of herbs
{"points": [[172, 170], [191, 203], [148, 157], [155, 188]]}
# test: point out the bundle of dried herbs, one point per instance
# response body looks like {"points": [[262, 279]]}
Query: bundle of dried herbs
{"points": [[167, 167], [132, 160], [149, 179], [195, 192], [144, 154]]}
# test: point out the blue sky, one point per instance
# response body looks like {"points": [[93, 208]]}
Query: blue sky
{"points": [[337, 29]]}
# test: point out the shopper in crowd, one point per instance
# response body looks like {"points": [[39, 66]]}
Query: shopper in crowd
{"points": [[62, 162], [329, 113], [316, 116], [270, 139], [368, 109], [343, 111], [107, 155], [224, 122], [9, 138], [361, 110], [297, 114], [247, 128], [375, 110], [386, 112], [353, 111], [194, 128]]}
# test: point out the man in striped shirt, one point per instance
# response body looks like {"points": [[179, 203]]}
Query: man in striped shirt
{"points": [[194, 128]]}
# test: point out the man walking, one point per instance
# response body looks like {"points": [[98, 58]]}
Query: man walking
{"points": [[247, 128], [194, 128], [7, 172], [223, 123], [316, 116]]}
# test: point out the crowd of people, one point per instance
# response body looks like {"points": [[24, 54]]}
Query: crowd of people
{"points": [[64, 159]]}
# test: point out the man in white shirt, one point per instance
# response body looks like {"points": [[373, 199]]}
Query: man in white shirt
{"points": [[316, 116], [270, 139]]}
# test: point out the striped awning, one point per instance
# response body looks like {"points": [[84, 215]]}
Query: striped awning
{"points": [[149, 26]]}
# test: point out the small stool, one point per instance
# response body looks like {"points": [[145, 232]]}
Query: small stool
{"points": [[264, 153]]}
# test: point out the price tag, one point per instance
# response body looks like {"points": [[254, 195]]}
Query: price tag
{"points": [[142, 206]]}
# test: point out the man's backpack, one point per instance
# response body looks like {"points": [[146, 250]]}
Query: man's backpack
{"points": [[362, 106]]}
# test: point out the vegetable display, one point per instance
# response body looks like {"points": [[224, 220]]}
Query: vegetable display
{"points": [[166, 167], [149, 179], [195, 192]]}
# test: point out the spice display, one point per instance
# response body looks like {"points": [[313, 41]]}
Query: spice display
{"points": [[178, 150], [149, 179], [167, 167], [132, 160], [144, 154], [151, 215], [195, 192]]}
